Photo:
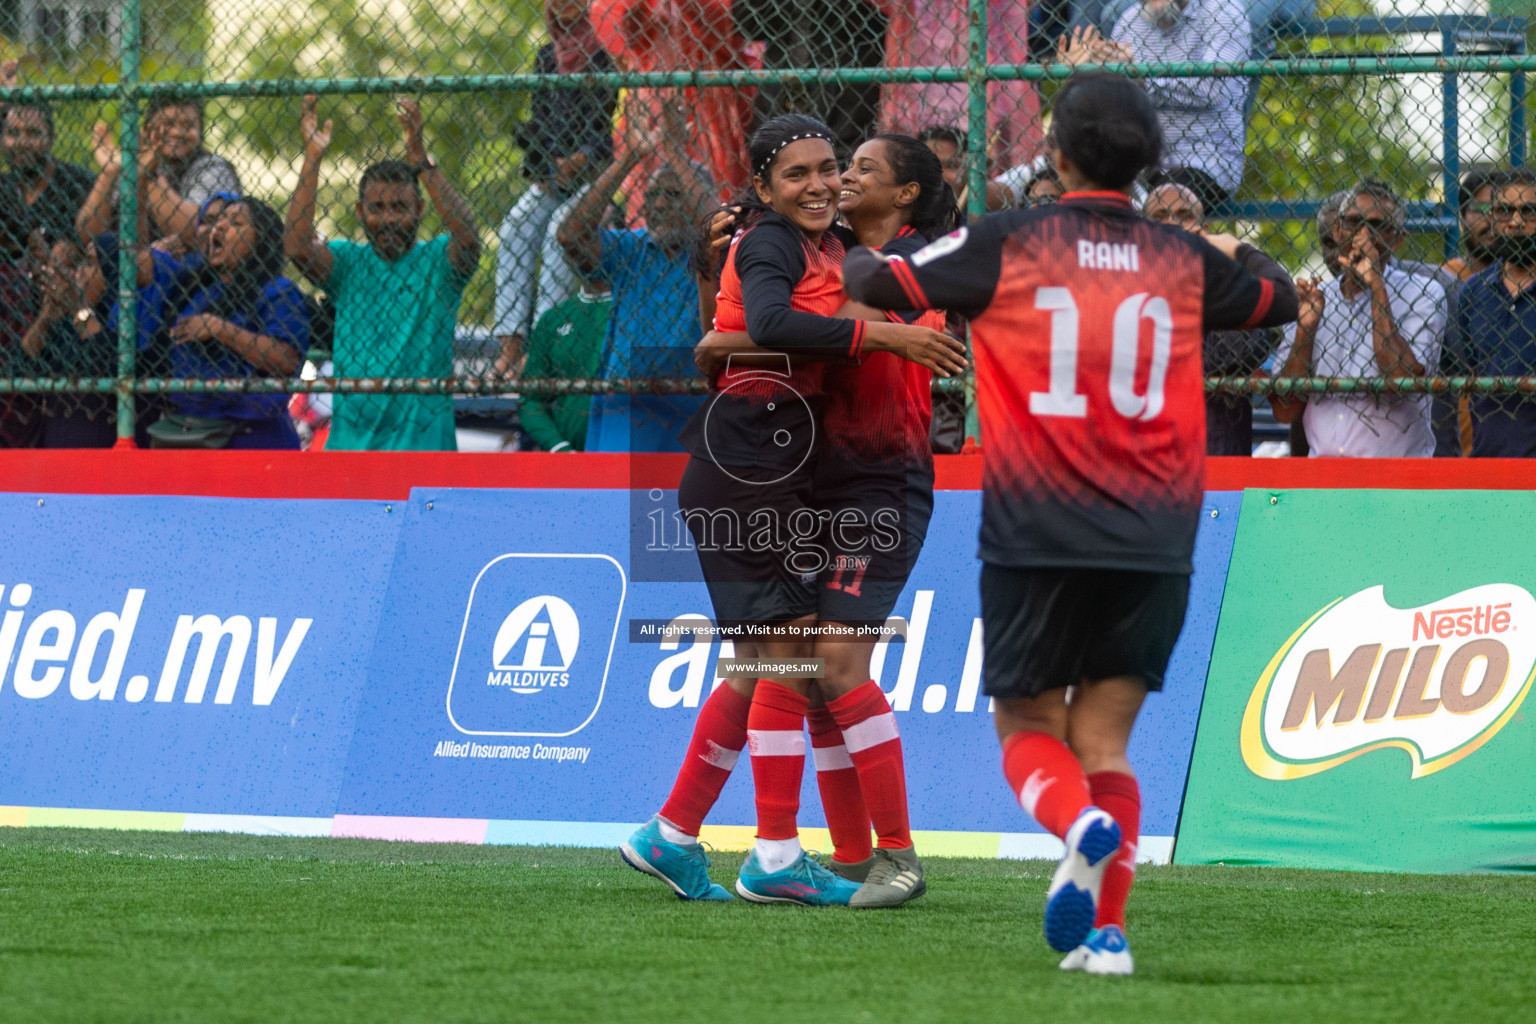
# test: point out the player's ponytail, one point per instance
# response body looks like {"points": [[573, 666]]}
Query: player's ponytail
{"points": [[1107, 127], [935, 213], [763, 151]]}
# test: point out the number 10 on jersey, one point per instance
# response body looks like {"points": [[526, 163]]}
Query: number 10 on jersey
{"points": [[1064, 398]]}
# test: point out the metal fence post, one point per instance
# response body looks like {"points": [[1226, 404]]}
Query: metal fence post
{"points": [[976, 129], [977, 168], [127, 223]]}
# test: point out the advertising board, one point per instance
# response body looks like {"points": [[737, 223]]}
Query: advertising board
{"points": [[1365, 704]]}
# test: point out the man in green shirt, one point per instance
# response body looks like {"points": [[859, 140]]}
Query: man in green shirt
{"points": [[567, 342], [397, 299]]}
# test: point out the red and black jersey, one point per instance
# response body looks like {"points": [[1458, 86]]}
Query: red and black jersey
{"points": [[880, 406], [1086, 329], [783, 292]]}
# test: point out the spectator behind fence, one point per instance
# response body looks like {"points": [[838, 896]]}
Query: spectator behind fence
{"points": [[1203, 120], [567, 138], [241, 319], [925, 33], [567, 342], [20, 416], [1474, 199], [803, 34], [1374, 320], [949, 144], [176, 174], [685, 35], [75, 295], [51, 190], [1498, 323], [1381, 208], [654, 322], [1228, 418], [397, 298]]}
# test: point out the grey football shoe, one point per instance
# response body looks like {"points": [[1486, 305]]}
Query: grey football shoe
{"points": [[858, 871], [895, 878]]}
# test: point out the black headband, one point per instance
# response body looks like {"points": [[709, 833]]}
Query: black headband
{"points": [[762, 169]]}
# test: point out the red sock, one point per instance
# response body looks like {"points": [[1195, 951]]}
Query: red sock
{"points": [[1045, 775], [776, 737], [838, 780], [874, 746], [1117, 793], [718, 738]]}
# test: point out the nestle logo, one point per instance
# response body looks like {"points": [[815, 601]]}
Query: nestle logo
{"points": [[1441, 623]]}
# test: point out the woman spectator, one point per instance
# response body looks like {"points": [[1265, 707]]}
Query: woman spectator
{"points": [[177, 175], [241, 319], [926, 33], [72, 283]]}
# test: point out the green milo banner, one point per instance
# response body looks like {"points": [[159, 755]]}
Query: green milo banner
{"points": [[1366, 703]]}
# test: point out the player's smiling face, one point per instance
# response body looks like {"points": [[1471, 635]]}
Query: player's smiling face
{"points": [[803, 185], [868, 186]]}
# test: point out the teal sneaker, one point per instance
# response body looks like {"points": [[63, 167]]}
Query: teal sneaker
{"points": [[684, 868], [804, 882]]}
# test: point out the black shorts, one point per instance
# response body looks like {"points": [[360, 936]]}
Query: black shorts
{"points": [[873, 529], [1049, 628], [756, 544]]}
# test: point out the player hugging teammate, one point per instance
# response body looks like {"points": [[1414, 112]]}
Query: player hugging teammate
{"points": [[791, 361], [1086, 326]]}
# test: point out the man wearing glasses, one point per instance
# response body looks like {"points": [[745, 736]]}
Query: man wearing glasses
{"points": [[1498, 321], [1228, 418], [1375, 320]]}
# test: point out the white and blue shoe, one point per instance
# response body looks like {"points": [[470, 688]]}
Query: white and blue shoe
{"points": [[1073, 897], [685, 869], [1104, 951]]}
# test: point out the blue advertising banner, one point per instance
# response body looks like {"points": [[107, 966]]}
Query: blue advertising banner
{"points": [[505, 684], [464, 664], [184, 655]]}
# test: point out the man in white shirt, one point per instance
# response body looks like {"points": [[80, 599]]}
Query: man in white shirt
{"points": [[1373, 320]]}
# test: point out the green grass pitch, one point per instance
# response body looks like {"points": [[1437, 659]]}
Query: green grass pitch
{"points": [[144, 926]]}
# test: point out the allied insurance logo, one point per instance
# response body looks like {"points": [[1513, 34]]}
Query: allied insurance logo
{"points": [[547, 632], [1437, 681], [538, 638]]}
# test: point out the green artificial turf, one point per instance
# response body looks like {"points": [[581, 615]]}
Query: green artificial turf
{"points": [[145, 926]]}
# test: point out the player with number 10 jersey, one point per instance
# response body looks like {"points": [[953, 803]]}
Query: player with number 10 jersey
{"points": [[1086, 329]]}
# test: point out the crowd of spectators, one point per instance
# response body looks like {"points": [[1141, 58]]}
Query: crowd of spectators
{"points": [[593, 275]]}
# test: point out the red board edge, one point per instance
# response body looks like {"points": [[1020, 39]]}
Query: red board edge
{"points": [[389, 476]]}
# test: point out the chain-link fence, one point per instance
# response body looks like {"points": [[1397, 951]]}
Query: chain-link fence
{"points": [[484, 218]]}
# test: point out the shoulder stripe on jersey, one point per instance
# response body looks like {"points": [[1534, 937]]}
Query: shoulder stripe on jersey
{"points": [[908, 282], [1266, 299]]}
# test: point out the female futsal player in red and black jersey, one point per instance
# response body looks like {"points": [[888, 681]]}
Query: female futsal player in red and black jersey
{"points": [[746, 497], [1086, 326], [873, 492]]}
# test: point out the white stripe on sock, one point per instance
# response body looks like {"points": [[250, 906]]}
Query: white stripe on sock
{"points": [[720, 757], [831, 759], [871, 733], [776, 742]]}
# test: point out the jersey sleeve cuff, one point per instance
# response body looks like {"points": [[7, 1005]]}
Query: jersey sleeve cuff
{"points": [[856, 348], [1261, 308], [908, 281]]}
